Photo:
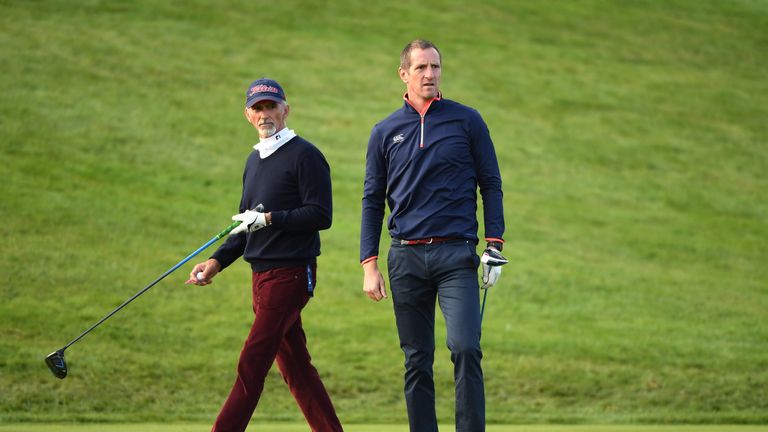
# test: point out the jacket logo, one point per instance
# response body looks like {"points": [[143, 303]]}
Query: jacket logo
{"points": [[397, 139]]}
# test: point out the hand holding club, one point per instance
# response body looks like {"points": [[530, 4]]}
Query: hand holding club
{"points": [[252, 220], [491, 260]]}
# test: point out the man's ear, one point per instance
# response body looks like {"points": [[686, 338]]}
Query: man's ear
{"points": [[247, 115], [287, 110], [403, 74]]}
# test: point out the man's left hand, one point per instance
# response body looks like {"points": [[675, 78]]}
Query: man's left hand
{"points": [[252, 220], [492, 260]]}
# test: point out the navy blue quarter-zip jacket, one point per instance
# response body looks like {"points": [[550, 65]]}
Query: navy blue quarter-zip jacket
{"points": [[294, 184], [428, 168]]}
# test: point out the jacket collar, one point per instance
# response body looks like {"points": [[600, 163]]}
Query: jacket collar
{"points": [[408, 103], [267, 146]]}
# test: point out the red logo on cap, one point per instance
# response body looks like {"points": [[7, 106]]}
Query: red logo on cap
{"points": [[263, 89]]}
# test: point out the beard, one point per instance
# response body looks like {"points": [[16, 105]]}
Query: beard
{"points": [[267, 130]]}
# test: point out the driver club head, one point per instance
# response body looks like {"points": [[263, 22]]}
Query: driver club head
{"points": [[56, 364], [493, 258]]}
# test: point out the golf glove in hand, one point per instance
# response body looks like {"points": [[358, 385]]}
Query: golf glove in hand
{"points": [[492, 260], [252, 220]]}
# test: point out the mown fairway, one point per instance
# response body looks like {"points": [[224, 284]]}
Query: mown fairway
{"points": [[633, 143]]}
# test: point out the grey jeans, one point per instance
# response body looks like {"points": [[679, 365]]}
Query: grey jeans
{"points": [[418, 275]]}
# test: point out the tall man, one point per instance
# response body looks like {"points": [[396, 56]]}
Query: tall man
{"points": [[426, 160], [286, 200]]}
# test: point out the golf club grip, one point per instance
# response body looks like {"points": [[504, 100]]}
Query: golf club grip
{"points": [[223, 233], [228, 229]]}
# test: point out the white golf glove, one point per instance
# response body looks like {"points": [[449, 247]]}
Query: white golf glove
{"points": [[492, 260], [252, 220]]}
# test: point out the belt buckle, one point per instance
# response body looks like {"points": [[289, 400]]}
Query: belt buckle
{"points": [[431, 239]]}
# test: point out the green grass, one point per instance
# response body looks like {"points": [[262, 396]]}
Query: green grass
{"points": [[634, 152]]}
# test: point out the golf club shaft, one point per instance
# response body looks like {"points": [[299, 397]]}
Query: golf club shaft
{"points": [[171, 270], [482, 308]]}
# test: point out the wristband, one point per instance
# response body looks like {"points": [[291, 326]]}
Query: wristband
{"points": [[496, 245]]}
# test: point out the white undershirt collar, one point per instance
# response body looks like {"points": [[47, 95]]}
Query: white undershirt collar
{"points": [[267, 146]]}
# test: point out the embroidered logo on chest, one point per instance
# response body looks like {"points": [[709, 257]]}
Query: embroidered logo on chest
{"points": [[397, 139]]}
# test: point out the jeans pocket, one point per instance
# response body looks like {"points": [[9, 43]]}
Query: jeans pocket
{"points": [[284, 288], [394, 259], [473, 254]]}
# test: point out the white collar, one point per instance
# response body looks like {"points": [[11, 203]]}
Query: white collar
{"points": [[267, 146]]}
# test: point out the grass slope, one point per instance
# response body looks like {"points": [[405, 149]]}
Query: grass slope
{"points": [[632, 143]]}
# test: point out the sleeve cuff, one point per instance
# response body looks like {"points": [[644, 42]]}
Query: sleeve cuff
{"points": [[278, 218]]}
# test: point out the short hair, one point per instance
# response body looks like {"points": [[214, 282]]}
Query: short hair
{"points": [[405, 55]]}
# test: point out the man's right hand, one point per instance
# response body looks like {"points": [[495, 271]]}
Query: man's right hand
{"points": [[373, 282], [209, 269]]}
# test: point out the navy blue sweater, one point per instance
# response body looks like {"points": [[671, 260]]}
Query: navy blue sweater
{"points": [[294, 184], [428, 171]]}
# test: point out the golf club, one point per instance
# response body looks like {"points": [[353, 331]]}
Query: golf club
{"points": [[482, 308], [55, 360]]}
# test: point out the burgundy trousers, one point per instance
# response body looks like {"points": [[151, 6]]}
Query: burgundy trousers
{"points": [[279, 295]]}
